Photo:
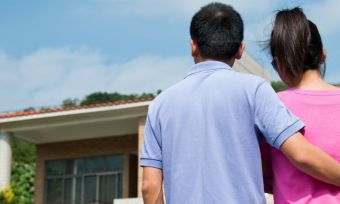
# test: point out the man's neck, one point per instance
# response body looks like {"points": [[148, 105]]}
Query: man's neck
{"points": [[229, 62]]}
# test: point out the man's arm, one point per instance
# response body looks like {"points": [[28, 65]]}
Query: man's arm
{"points": [[152, 186], [311, 160]]}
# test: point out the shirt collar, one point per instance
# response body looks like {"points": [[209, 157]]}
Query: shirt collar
{"points": [[207, 66]]}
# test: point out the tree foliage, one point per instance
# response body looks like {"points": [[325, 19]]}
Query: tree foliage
{"points": [[279, 86], [70, 102], [7, 196], [22, 185], [22, 182], [29, 109], [104, 97], [23, 173], [23, 151]]}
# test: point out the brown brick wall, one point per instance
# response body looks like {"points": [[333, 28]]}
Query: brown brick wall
{"points": [[82, 148], [141, 127]]}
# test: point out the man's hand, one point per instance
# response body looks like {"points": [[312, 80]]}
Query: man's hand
{"points": [[311, 160], [152, 186]]}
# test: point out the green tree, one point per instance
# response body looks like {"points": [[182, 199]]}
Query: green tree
{"points": [[23, 151], [279, 86], [98, 97], [70, 102], [29, 109], [146, 95], [104, 97]]}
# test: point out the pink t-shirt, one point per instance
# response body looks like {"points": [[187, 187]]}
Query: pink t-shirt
{"points": [[320, 111]]}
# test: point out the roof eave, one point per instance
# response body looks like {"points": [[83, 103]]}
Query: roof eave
{"points": [[74, 116]]}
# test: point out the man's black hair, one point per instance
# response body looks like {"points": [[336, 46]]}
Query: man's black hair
{"points": [[217, 29]]}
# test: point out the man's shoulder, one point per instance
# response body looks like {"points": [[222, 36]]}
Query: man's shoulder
{"points": [[240, 82], [249, 78], [245, 82], [166, 96]]}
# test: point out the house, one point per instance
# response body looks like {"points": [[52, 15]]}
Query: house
{"points": [[86, 154]]}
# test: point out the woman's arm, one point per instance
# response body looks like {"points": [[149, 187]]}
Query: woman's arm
{"points": [[311, 160]]}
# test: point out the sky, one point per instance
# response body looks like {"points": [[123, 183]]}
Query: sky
{"points": [[53, 50]]}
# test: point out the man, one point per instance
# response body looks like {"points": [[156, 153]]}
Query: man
{"points": [[202, 134]]}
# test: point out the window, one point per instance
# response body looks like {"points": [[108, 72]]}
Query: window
{"points": [[95, 180]]}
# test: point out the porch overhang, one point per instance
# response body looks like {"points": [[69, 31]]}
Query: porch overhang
{"points": [[77, 124]]}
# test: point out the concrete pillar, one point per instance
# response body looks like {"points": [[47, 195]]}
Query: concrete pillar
{"points": [[5, 160], [140, 145]]}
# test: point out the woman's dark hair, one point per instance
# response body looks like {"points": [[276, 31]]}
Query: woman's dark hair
{"points": [[295, 44], [218, 31]]}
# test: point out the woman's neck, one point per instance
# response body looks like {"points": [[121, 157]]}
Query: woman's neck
{"points": [[312, 80]]}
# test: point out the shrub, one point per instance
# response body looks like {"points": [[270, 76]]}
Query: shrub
{"points": [[23, 182], [7, 196]]}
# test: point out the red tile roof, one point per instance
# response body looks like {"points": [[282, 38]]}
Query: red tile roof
{"points": [[61, 109]]}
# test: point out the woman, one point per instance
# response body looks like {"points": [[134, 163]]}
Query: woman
{"points": [[299, 58]]}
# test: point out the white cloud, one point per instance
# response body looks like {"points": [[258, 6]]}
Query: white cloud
{"points": [[48, 76]]}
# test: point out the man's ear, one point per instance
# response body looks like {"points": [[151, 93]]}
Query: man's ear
{"points": [[240, 51], [323, 57], [194, 48]]}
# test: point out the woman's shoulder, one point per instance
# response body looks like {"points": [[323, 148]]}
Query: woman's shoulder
{"points": [[285, 93]]}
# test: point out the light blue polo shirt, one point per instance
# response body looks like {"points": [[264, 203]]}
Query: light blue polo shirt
{"points": [[204, 133]]}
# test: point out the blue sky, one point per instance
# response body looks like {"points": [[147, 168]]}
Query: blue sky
{"points": [[52, 50]]}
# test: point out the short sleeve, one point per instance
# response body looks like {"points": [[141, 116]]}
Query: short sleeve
{"points": [[272, 118], [152, 150]]}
